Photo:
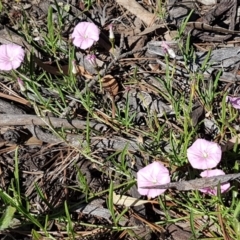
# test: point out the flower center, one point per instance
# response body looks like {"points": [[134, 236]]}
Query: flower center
{"points": [[205, 155], [11, 58], [154, 181]]}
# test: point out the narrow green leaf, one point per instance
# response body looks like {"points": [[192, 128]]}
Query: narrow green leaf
{"points": [[69, 224], [110, 202], [16, 176], [7, 217], [50, 25], [35, 235]]}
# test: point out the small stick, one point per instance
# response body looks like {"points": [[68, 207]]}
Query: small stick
{"points": [[25, 119], [197, 183]]}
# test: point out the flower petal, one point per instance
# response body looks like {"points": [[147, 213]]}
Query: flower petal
{"points": [[11, 56], [234, 101], [204, 154], [154, 173], [85, 34], [93, 32], [213, 190]]}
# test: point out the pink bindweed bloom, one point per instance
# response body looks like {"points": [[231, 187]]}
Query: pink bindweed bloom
{"points": [[85, 34], [234, 101], [11, 56], [153, 174], [168, 49], [204, 154], [92, 60], [213, 190]]}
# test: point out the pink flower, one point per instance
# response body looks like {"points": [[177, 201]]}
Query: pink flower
{"points": [[204, 154], [168, 49], [153, 174], [85, 34], [213, 190], [11, 56], [234, 101]]}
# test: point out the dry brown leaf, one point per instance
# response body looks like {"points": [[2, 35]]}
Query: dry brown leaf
{"points": [[110, 84], [152, 29], [34, 141], [79, 69], [48, 68], [65, 69], [127, 201], [230, 144], [136, 9], [16, 99], [83, 72]]}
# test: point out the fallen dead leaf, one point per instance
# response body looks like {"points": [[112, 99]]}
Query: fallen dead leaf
{"points": [[230, 144], [16, 99], [83, 72], [127, 201], [110, 84], [34, 141], [63, 69], [48, 68], [136, 9]]}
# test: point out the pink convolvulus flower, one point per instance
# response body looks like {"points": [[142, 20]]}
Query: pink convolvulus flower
{"points": [[204, 154], [168, 49], [11, 56], [234, 101], [85, 34], [213, 190], [153, 174]]}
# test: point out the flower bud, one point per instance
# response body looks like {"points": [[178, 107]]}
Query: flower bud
{"points": [[21, 85], [111, 34], [74, 68], [92, 60], [168, 49]]}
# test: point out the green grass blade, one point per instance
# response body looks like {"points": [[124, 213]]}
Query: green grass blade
{"points": [[7, 217]]}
